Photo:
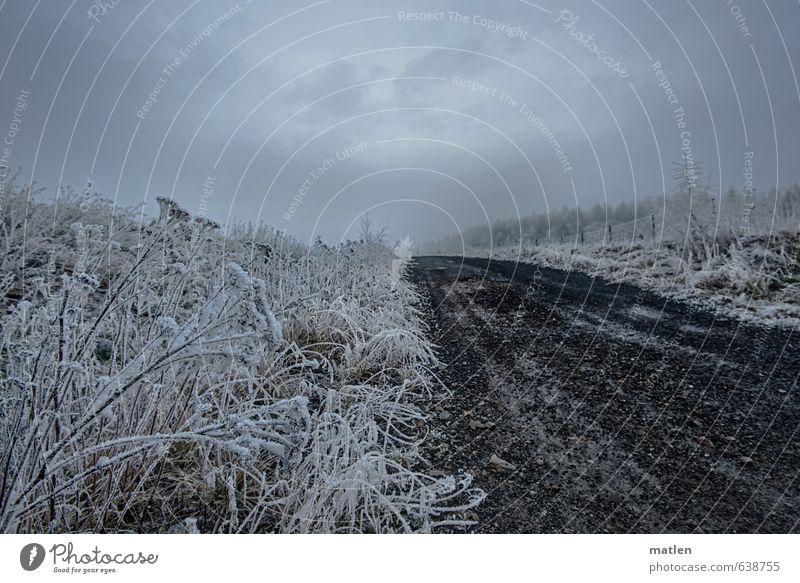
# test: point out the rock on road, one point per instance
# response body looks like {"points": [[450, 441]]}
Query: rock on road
{"points": [[611, 409]]}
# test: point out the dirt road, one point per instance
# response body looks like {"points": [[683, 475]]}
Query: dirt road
{"points": [[615, 409]]}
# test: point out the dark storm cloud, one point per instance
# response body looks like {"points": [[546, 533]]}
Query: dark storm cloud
{"points": [[306, 116]]}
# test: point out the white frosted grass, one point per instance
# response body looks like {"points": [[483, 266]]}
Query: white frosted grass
{"points": [[756, 278], [160, 377]]}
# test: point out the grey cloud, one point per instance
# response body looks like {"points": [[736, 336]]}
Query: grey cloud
{"points": [[604, 104]]}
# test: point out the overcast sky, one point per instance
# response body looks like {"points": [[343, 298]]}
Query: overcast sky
{"points": [[307, 114]]}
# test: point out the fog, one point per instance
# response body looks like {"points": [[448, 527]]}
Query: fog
{"points": [[429, 117]]}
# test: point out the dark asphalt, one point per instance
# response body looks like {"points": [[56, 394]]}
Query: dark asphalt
{"points": [[619, 410]]}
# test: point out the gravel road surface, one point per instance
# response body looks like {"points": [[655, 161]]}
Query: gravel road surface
{"points": [[608, 408]]}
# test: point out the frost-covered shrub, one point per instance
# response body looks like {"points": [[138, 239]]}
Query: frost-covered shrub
{"points": [[160, 376]]}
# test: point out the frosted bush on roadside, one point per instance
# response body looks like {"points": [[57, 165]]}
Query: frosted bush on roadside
{"points": [[157, 375]]}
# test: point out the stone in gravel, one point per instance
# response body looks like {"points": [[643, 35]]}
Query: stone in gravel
{"points": [[746, 460], [445, 416], [475, 424], [501, 464], [705, 442]]}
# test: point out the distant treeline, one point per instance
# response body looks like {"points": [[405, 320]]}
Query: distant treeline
{"points": [[734, 214]]}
